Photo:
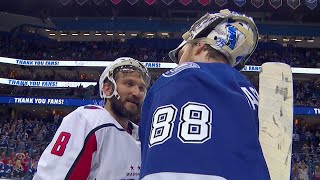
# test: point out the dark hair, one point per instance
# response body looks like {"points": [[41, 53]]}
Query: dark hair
{"points": [[214, 54]]}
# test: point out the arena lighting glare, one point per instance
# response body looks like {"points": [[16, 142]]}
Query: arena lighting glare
{"points": [[298, 40], [52, 34], [74, 34], [98, 34], [63, 34], [86, 34], [285, 40], [273, 39], [110, 34], [310, 40]]}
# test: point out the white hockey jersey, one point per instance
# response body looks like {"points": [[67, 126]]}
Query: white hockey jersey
{"points": [[91, 144]]}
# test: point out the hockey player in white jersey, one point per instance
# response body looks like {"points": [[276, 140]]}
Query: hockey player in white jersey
{"points": [[99, 143]]}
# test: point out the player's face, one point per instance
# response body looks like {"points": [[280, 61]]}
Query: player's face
{"points": [[185, 54], [132, 90]]}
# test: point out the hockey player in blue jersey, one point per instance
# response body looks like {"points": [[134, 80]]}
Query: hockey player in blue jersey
{"points": [[199, 120]]}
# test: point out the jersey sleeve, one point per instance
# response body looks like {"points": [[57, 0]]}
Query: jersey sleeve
{"points": [[69, 154]]}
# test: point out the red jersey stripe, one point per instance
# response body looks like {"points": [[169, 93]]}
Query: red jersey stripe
{"points": [[82, 167]]}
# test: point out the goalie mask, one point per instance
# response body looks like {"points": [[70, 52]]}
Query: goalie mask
{"points": [[125, 65], [232, 34]]}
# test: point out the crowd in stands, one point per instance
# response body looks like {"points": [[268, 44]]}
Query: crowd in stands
{"points": [[49, 74], [52, 50], [306, 153], [295, 57], [22, 140], [306, 93], [143, 49], [90, 92]]}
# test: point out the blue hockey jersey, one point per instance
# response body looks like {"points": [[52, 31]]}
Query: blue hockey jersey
{"points": [[200, 121]]}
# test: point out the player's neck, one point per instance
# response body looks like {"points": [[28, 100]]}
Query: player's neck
{"points": [[121, 120], [204, 58]]}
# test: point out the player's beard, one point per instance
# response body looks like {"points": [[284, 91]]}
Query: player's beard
{"points": [[118, 107]]}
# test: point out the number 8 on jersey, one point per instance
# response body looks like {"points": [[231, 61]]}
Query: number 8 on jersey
{"points": [[194, 126], [61, 144]]}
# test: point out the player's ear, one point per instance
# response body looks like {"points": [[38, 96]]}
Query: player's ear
{"points": [[199, 47], [107, 88]]}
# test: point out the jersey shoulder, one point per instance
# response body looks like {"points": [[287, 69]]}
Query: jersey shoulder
{"points": [[177, 75], [180, 68], [93, 115], [196, 78]]}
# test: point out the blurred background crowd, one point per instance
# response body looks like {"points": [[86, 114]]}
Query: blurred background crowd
{"points": [[101, 30]]}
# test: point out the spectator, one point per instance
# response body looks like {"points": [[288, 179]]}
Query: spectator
{"points": [[11, 146], [18, 169], [2, 174], [303, 171], [317, 136], [318, 149], [316, 174], [296, 136], [305, 148], [3, 143], [33, 168], [308, 136], [8, 169]]}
